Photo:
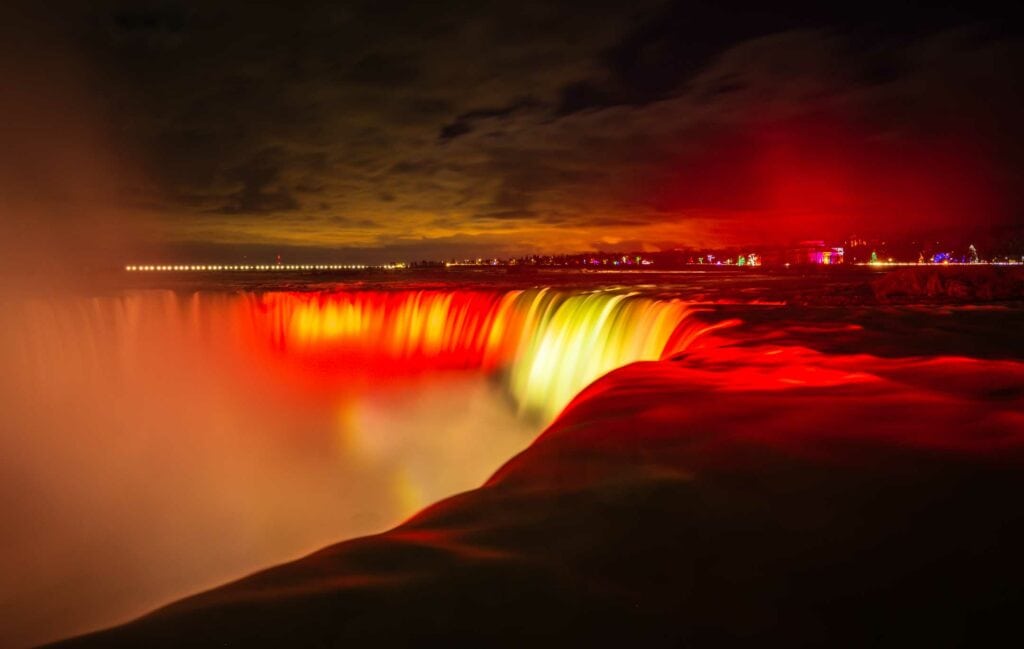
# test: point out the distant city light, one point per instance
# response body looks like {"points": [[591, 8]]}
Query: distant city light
{"points": [[216, 268], [808, 253], [1009, 262]]}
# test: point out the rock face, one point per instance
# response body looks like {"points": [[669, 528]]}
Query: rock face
{"points": [[736, 494], [953, 283]]}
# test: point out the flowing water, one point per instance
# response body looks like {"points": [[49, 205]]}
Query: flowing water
{"points": [[159, 442]]}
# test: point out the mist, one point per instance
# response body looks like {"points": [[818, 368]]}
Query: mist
{"points": [[148, 451]]}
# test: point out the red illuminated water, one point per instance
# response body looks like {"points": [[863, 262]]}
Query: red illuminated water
{"points": [[159, 442]]}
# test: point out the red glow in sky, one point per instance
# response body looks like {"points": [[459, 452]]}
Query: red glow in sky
{"points": [[821, 177]]}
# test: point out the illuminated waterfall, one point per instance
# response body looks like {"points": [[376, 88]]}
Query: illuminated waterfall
{"points": [[177, 440], [551, 344], [568, 341], [435, 328], [546, 344]]}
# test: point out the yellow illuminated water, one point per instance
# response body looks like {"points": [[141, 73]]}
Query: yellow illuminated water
{"points": [[569, 340], [549, 344]]}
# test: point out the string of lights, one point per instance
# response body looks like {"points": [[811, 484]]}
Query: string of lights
{"points": [[216, 268]]}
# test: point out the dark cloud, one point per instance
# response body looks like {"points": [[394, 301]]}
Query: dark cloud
{"points": [[465, 122], [261, 189], [678, 40], [383, 70], [544, 122], [583, 95]]}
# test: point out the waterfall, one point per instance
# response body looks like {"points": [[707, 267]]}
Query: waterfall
{"points": [[550, 344], [569, 340], [155, 443], [547, 345]]}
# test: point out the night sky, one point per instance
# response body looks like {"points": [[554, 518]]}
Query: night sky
{"points": [[373, 131]]}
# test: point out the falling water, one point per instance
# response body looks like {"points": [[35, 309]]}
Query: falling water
{"points": [[551, 344], [156, 443]]}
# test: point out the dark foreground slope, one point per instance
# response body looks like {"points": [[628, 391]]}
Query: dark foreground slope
{"points": [[743, 493]]}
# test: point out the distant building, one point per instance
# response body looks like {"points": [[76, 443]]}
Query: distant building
{"points": [[806, 253], [816, 252]]}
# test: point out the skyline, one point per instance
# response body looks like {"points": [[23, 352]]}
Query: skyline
{"points": [[1004, 248]]}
